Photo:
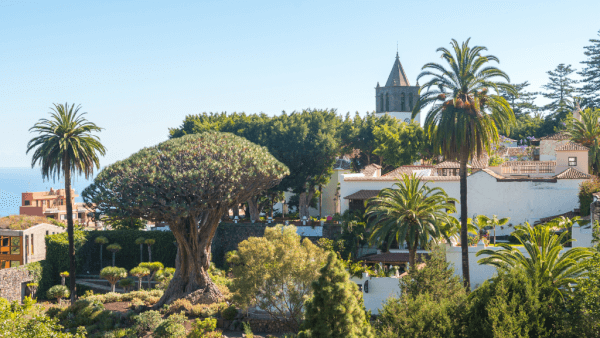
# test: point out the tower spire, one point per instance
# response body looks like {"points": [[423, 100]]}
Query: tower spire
{"points": [[397, 76]]}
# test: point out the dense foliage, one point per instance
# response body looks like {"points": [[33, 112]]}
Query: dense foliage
{"points": [[336, 309], [275, 272]]}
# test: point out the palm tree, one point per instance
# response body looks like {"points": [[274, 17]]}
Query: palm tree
{"points": [[64, 146], [545, 265], [485, 221], [587, 133], [410, 214], [464, 117]]}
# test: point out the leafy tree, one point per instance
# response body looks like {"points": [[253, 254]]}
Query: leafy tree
{"points": [[545, 266], [409, 213], [587, 133], [511, 305], [484, 221], [336, 309], [431, 302], [114, 248], [140, 241], [101, 240], [401, 144], [560, 89], [521, 101], [65, 145], [591, 73], [126, 284], [58, 292], [140, 272], [465, 125], [149, 242], [125, 223], [188, 183], [584, 306], [154, 267], [275, 272], [113, 274]]}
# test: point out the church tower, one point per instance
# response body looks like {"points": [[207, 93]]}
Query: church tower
{"points": [[397, 98]]}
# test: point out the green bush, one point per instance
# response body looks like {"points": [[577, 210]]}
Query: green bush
{"points": [[180, 305], [229, 313], [89, 314], [58, 292], [204, 329], [147, 321], [586, 189], [28, 321], [171, 327]]}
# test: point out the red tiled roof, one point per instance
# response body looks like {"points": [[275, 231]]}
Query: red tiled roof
{"points": [[362, 195], [556, 137], [407, 169], [449, 165], [392, 178], [370, 169], [573, 174], [572, 146], [394, 257]]}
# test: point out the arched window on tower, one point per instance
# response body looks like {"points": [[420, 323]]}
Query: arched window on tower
{"points": [[381, 107], [387, 102], [402, 102], [410, 101]]}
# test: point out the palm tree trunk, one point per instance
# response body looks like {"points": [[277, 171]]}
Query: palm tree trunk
{"points": [[67, 169], [464, 239]]}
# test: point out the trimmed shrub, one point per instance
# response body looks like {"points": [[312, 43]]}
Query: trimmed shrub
{"points": [[113, 274], [58, 292], [230, 313], [171, 327], [204, 329], [147, 321]]}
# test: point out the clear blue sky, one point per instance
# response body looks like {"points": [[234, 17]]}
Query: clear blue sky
{"points": [[139, 67]]}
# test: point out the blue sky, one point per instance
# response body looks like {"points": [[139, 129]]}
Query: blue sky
{"points": [[139, 67]]}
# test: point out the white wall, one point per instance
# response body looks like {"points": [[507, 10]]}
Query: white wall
{"points": [[522, 201], [380, 289]]}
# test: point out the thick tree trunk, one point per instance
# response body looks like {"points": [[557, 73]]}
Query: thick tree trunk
{"points": [[464, 238], [67, 169], [304, 203], [191, 280], [253, 208]]}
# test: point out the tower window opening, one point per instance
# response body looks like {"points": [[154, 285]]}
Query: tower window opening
{"points": [[402, 102]]}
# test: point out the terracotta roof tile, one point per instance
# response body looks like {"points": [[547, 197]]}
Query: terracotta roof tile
{"points": [[556, 137], [449, 165], [572, 146], [481, 162], [371, 169], [524, 163], [407, 169], [362, 195], [573, 174], [393, 178]]}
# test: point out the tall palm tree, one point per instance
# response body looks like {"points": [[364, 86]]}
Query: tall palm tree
{"points": [[465, 116], [410, 214], [64, 146], [545, 264], [587, 133], [485, 221]]}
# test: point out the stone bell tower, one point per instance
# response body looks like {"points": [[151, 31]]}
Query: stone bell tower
{"points": [[397, 98]]}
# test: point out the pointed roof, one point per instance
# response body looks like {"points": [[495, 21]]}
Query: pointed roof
{"points": [[570, 146], [397, 76], [573, 174]]}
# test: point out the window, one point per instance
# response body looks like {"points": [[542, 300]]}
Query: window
{"points": [[27, 202], [572, 161], [46, 232], [63, 217], [80, 215], [15, 245], [410, 101], [381, 107], [402, 102], [387, 102]]}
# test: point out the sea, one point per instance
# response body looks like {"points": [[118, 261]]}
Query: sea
{"points": [[14, 181]]}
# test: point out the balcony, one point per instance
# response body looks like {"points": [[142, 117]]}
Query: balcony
{"points": [[528, 167]]}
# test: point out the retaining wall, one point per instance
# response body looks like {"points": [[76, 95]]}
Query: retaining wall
{"points": [[12, 283]]}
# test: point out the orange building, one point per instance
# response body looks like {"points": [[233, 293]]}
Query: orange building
{"points": [[52, 204]]}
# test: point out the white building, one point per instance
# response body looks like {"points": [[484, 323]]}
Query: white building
{"points": [[525, 191]]}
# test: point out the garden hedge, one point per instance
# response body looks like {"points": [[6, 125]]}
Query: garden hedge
{"points": [[87, 253]]}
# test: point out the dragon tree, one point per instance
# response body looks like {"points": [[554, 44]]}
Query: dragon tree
{"points": [[188, 183]]}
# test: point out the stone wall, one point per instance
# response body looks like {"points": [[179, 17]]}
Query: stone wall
{"points": [[229, 235], [11, 283]]}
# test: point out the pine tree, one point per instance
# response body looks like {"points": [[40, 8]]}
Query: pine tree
{"points": [[336, 310], [523, 102], [591, 73], [560, 90]]}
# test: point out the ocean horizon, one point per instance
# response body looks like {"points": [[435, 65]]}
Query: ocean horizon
{"points": [[14, 181]]}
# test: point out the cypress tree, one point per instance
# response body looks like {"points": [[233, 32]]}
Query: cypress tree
{"points": [[336, 309], [591, 73]]}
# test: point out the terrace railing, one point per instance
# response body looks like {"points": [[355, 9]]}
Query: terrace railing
{"points": [[528, 167]]}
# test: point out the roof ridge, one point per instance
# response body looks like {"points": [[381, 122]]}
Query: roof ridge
{"points": [[572, 173]]}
